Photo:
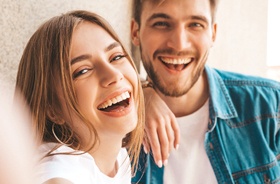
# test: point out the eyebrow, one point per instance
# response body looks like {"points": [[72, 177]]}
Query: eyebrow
{"points": [[199, 17], [165, 16], [159, 15], [87, 56]]}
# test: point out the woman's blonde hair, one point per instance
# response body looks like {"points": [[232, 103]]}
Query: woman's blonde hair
{"points": [[45, 63]]}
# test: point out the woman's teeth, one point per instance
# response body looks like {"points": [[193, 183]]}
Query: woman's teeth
{"points": [[115, 100]]}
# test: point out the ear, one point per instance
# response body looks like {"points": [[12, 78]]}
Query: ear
{"points": [[214, 32], [134, 30], [53, 117]]}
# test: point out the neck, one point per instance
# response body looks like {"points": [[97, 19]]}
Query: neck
{"points": [[191, 101], [105, 155]]}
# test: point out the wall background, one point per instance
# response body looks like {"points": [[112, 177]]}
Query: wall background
{"points": [[240, 45], [241, 37], [20, 18]]}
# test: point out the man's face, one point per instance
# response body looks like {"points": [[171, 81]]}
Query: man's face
{"points": [[173, 37]]}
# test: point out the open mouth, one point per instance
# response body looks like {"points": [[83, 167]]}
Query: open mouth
{"points": [[116, 103], [176, 64]]}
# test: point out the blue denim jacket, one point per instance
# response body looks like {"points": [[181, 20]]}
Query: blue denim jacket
{"points": [[243, 138]]}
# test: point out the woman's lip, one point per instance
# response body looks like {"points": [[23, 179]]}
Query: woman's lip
{"points": [[121, 111], [114, 94]]}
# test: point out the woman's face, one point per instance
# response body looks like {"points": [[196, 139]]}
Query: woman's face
{"points": [[104, 81]]}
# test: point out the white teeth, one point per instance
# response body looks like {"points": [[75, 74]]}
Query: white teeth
{"points": [[115, 100], [176, 61]]}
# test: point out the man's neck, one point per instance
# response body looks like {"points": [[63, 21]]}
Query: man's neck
{"points": [[191, 101]]}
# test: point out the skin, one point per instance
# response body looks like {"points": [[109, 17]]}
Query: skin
{"points": [[101, 71], [171, 33]]}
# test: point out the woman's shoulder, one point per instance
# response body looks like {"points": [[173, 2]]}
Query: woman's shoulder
{"points": [[64, 163]]}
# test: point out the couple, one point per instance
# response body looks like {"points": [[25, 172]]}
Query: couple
{"points": [[87, 105]]}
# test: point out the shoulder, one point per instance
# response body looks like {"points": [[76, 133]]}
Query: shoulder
{"points": [[58, 181], [71, 167], [233, 78]]}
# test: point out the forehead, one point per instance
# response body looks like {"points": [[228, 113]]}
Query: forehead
{"points": [[176, 8], [90, 34]]}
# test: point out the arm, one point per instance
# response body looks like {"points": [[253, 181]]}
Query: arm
{"points": [[161, 127]]}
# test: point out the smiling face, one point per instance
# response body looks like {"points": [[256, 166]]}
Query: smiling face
{"points": [[104, 82], [173, 37]]}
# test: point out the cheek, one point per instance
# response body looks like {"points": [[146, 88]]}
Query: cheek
{"points": [[132, 75], [86, 95]]}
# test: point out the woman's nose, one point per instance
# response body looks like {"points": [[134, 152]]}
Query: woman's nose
{"points": [[110, 74]]}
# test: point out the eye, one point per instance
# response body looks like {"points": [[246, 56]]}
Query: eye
{"points": [[196, 25], [118, 57], [80, 72], [161, 25]]}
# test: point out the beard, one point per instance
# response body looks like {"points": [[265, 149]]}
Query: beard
{"points": [[173, 88]]}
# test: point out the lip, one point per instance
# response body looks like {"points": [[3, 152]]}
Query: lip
{"points": [[122, 111], [175, 60], [175, 64]]}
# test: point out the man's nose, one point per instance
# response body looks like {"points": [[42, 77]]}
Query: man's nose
{"points": [[179, 39]]}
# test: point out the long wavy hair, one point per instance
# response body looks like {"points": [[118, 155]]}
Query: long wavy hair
{"points": [[44, 63]]}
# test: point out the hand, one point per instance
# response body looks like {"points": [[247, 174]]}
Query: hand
{"points": [[161, 127]]}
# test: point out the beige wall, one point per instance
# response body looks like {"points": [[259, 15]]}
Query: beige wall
{"points": [[241, 37], [240, 44], [20, 18]]}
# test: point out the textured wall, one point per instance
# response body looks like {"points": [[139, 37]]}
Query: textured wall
{"points": [[20, 18], [241, 37]]}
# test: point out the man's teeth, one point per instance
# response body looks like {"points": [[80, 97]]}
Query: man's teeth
{"points": [[176, 61], [115, 100]]}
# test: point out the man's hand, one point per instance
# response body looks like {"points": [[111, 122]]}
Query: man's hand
{"points": [[161, 127]]}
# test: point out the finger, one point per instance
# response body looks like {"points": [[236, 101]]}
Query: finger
{"points": [[146, 144], [176, 132], [170, 136], [164, 143], [155, 145]]}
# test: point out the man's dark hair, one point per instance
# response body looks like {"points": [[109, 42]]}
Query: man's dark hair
{"points": [[137, 8]]}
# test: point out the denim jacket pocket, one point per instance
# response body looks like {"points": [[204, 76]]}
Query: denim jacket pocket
{"points": [[266, 174]]}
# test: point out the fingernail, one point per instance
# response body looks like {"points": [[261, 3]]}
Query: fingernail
{"points": [[165, 162], [159, 164], [145, 150], [177, 147]]}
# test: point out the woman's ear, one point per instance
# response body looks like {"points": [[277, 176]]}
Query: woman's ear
{"points": [[134, 30], [54, 117]]}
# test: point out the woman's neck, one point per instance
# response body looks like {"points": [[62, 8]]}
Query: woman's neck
{"points": [[105, 155]]}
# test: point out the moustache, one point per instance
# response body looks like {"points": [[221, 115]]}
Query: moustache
{"points": [[169, 51]]}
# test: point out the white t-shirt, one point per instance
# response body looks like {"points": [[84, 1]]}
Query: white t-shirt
{"points": [[190, 164], [80, 169]]}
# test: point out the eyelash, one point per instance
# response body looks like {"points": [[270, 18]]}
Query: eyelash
{"points": [[196, 25], [85, 70], [118, 57], [161, 24], [80, 72]]}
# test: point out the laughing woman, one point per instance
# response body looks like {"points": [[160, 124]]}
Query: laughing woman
{"points": [[85, 98]]}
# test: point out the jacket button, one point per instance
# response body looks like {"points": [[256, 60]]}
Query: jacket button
{"points": [[211, 146]]}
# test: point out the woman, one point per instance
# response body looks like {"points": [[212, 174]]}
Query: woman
{"points": [[85, 98]]}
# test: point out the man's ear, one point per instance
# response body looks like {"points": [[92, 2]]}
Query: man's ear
{"points": [[134, 30], [53, 117], [214, 32]]}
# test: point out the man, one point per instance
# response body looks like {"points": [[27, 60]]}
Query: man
{"points": [[228, 123]]}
